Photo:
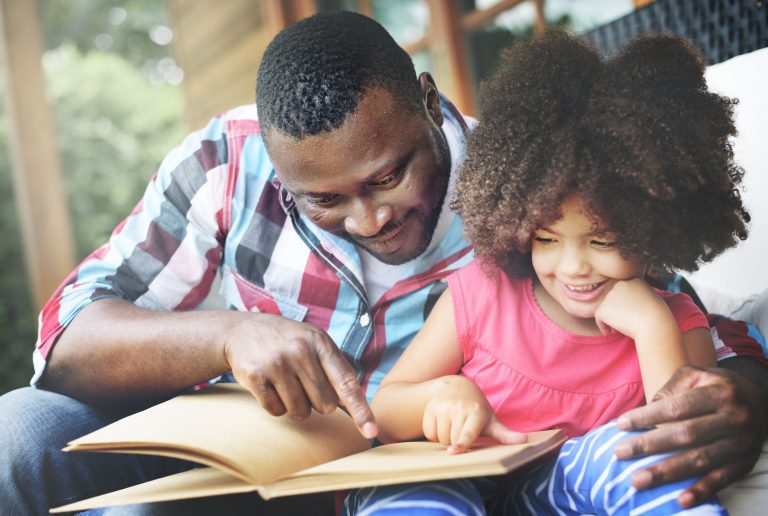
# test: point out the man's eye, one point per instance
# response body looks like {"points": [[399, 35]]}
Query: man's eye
{"points": [[321, 200], [389, 178]]}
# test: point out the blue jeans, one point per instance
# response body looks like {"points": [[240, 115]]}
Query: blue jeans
{"points": [[36, 475]]}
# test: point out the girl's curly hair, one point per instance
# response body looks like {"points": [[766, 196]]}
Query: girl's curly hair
{"points": [[638, 137]]}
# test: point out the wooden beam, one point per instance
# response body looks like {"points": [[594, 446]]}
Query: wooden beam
{"points": [[449, 55], [219, 46], [40, 199], [417, 46], [479, 17], [365, 8], [281, 13], [541, 20]]}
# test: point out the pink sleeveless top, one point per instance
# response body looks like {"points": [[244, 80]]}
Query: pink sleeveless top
{"points": [[535, 374]]}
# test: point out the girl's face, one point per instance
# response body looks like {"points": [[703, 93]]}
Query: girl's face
{"points": [[577, 265]]}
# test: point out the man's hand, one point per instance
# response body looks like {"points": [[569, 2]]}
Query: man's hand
{"points": [[458, 413], [718, 418], [292, 367]]}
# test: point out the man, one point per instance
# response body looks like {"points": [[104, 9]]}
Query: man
{"points": [[327, 223]]}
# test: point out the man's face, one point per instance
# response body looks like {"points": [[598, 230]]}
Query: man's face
{"points": [[378, 181]]}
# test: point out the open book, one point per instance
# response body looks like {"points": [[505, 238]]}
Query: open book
{"points": [[246, 449]]}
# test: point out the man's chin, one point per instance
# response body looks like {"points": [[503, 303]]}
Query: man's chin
{"points": [[414, 235], [402, 255], [397, 258]]}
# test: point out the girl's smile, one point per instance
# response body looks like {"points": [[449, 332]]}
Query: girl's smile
{"points": [[584, 292]]}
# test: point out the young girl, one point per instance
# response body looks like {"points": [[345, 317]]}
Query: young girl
{"points": [[583, 173]]}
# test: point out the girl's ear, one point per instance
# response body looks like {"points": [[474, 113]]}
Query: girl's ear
{"points": [[431, 98]]}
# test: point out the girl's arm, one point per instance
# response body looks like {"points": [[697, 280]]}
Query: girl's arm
{"points": [[633, 308], [404, 392], [422, 396]]}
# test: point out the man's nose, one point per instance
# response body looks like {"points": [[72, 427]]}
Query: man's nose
{"points": [[366, 218]]}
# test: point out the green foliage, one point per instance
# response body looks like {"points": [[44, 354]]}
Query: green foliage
{"points": [[114, 125], [17, 318], [126, 23]]}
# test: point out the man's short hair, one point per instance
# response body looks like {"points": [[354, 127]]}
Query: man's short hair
{"points": [[314, 72]]}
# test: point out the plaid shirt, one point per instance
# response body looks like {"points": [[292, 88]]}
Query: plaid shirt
{"points": [[215, 207]]}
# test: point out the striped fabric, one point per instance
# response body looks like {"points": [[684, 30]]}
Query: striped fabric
{"points": [[585, 478], [215, 207]]}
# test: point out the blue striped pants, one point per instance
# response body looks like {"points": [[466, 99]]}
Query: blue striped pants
{"points": [[585, 478]]}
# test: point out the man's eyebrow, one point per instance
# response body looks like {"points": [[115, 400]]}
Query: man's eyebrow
{"points": [[389, 166], [386, 168], [307, 193]]}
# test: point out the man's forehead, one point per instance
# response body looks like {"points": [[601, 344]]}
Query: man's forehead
{"points": [[377, 108], [371, 143]]}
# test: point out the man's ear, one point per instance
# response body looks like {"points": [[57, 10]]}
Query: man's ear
{"points": [[431, 97]]}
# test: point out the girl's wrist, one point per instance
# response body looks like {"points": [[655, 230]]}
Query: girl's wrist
{"points": [[451, 384]]}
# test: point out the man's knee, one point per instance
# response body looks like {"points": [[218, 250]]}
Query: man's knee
{"points": [[36, 425]]}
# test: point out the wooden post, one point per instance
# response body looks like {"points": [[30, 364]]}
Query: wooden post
{"points": [[43, 214], [541, 20], [449, 55]]}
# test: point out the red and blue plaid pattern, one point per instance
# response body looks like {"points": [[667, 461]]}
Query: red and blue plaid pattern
{"points": [[214, 207]]}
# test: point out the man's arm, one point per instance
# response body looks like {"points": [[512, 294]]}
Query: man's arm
{"points": [[115, 352], [719, 414], [119, 328]]}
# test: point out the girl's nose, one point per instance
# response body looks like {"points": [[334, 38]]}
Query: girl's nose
{"points": [[573, 262]]}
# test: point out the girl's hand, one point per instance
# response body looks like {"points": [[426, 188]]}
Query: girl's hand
{"points": [[458, 413], [630, 307]]}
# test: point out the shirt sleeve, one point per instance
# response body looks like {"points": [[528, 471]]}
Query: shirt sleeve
{"points": [[732, 338], [165, 254], [735, 338]]}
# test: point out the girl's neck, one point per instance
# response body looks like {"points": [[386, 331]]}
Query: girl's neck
{"points": [[556, 313]]}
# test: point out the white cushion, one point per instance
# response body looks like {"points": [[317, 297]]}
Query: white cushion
{"points": [[743, 270]]}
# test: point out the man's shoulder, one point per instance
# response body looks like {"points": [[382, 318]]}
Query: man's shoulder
{"points": [[455, 116], [240, 120]]}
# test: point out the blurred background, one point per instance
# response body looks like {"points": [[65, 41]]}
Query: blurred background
{"points": [[96, 92]]}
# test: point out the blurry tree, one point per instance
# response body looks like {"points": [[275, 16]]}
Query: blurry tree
{"points": [[17, 317], [112, 83], [113, 127], [136, 30]]}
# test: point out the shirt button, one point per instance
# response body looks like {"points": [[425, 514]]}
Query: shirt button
{"points": [[365, 319]]}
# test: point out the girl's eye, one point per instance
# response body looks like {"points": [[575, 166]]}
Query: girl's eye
{"points": [[603, 244], [543, 240]]}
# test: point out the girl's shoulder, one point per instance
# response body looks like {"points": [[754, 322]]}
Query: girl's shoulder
{"points": [[482, 271], [686, 312], [482, 279]]}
